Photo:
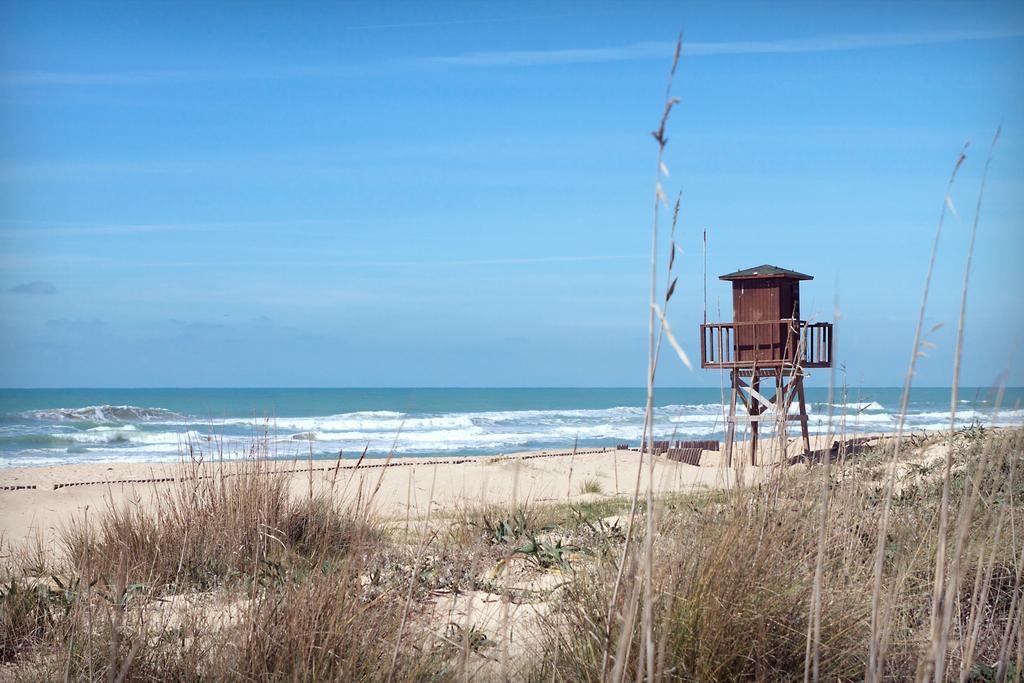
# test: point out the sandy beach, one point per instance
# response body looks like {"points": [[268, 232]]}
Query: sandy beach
{"points": [[36, 501]]}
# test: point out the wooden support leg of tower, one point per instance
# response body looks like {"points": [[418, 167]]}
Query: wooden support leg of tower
{"points": [[803, 413], [754, 409], [730, 425], [781, 406]]}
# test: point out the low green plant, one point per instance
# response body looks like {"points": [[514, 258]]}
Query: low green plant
{"points": [[547, 555], [511, 528]]}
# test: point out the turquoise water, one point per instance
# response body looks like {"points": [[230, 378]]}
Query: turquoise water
{"points": [[55, 426]]}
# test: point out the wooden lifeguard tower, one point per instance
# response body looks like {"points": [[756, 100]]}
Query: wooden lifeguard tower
{"points": [[766, 340]]}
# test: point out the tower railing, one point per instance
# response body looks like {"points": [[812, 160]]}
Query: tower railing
{"points": [[766, 344]]}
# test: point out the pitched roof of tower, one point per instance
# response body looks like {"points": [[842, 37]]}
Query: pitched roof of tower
{"points": [[765, 270]]}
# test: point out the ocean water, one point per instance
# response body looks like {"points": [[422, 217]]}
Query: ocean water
{"points": [[57, 426]]}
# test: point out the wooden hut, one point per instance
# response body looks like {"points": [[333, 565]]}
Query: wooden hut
{"points": [[767, 339]]}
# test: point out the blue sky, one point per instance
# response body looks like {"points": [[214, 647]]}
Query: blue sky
{"points": [[459, 194]]}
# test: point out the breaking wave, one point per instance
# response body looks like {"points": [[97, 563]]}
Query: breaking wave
{"points": [[125, 433], [105, 413]]}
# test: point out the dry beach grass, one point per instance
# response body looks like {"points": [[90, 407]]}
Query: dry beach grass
{"points": [[242, 577]]}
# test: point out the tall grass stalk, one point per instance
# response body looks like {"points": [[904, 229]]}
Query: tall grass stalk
{"points": [[654, 348], [876, 647], [812, 662], [945, 584]]}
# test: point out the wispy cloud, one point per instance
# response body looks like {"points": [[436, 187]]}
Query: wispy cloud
{"points": [[76, 324], [44, 78], [46, 171], [514, 58], [424, 263], [323, 259], [446, 22], [662, 50], [71, 229], [506, 58], [850, 41], [485, 261], [36, 288], [33, 261], [160, 76]]}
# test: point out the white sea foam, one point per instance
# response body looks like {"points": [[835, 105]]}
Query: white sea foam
{"points": [[385, 421], [859, 406], [154, 434], [35, 458], [131, 436], [104, 413]]}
